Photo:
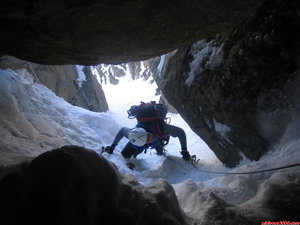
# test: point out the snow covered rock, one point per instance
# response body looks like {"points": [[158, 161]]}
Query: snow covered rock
{"points": [[73, 185], [275, 199], [238, 90], [68, 81]]}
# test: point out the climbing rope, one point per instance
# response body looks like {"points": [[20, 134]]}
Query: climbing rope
{"points": [[251, 172], [237, 173]]}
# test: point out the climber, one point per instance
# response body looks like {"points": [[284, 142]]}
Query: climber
{"points": [[151, 131]]}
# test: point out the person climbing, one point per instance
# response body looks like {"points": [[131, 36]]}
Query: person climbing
{"points": [[151, 131]]}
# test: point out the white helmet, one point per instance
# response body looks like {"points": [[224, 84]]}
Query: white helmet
{"points": [[138, 136]]}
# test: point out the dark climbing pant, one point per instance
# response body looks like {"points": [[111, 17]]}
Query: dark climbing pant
{"points": [[129, 151]]}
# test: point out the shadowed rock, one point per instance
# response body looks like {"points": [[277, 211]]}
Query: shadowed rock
{"points": [[238, 91], [73, 185], [93, 32]]}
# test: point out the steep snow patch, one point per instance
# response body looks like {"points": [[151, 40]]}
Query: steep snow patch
{"points": [[205, 56]]}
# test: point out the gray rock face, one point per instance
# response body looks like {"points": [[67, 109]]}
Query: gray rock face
{"points": [[90, 95], [236, 91], [93, 32], [62, 80]]}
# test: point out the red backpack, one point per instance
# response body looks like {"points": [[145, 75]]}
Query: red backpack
{"points": [[152, 112], [146, 112]]}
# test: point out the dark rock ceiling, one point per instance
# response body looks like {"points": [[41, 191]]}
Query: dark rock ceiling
{"points": [[94, 32]]}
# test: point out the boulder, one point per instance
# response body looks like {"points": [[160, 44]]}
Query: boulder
{"points": [[73, 185]]}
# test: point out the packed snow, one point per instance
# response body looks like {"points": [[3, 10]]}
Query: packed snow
{"points": [[161, 64], [81, 76], [34, 120], [205, 55]]}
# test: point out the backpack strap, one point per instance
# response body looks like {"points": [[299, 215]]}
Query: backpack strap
{"points": [[158, 126], [147, 119]]}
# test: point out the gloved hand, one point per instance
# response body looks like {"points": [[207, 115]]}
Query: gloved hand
{"points": [[160, 147], [185, 155], [160, 151], [109, 149]]}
